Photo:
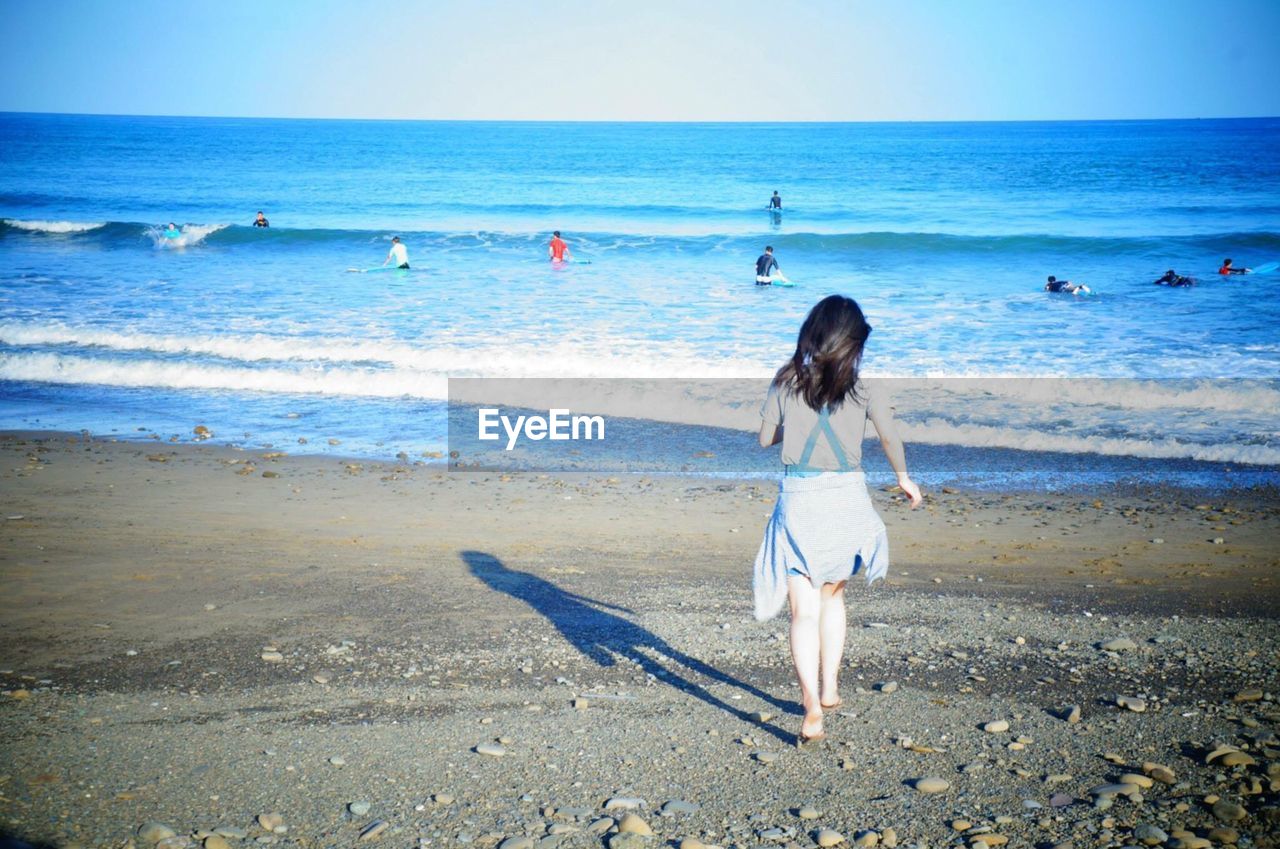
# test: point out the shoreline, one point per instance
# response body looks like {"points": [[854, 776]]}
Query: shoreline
{"points": [[186, 644]]}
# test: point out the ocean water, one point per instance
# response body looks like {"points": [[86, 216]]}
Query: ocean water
{"points": [[943, 232]]}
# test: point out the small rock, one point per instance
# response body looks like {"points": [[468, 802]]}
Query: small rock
{"points": [[1251, 694], [826, 837], [154, 832], [520, 842], [765, 757], [216, 841], [623, 803], [1222, 834], [1071, 713], [580, 704], [321, 678], [889, 838], [492, 750], [1228, 811], [1133, 778], [338, 760], [358, 809], [808, 812], [270, 822], [600, 826], [1132, 703], [443, 798], [692, 843], [996, 726], [632, 823], [1060, 800], [931, 784], [1150, 835], [1105, 790], [988, 839], [961, 825], [866, 839], [888, 687]]}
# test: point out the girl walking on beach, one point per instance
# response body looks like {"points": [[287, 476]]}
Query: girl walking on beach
{"points": [[824, 528]]}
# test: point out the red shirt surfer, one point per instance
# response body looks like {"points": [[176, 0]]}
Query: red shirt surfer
{"points": [[558, 250]]}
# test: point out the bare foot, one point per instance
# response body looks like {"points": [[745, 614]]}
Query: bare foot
{"points": [[811, 729]]}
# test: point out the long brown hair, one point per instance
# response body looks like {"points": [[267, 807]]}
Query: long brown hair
{"points": [[824, 368]]}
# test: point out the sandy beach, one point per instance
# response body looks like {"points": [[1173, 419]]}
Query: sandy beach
{"points": [[195, 636]]}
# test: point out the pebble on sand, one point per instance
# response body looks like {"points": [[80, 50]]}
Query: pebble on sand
{"points": [[216, 841], [272, 656], [827, 837], [632, 823], [358, 809], [1228, 811], [492, 750], [1250, 694], [996, 726], [519, 842], [270, 822], [931, 784], [1071, 713], [1118, 644], [338, 760], [623, 803], [1132, 703], [765, 757], [154, 832], [807, 812]]}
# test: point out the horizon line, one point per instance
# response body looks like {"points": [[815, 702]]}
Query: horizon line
{"points": [[637, 120]]}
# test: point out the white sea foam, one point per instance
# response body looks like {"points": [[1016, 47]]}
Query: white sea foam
{"points": [[55, 226], [617, 358]]}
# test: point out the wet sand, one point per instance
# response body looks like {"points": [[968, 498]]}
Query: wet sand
{"points": [[191, 633]]}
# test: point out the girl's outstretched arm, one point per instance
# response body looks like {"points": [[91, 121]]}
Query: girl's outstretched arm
{"points": [[882, 417]]}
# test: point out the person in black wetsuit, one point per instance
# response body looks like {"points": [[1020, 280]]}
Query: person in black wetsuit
{"points": [[767, 269], [775, 203], [1173, 278], [1065, 286], [261, 220]]}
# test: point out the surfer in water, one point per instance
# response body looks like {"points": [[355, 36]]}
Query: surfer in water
{"points": [[1173, 278], [1227, 268], [558, 249], [775, 203], [398, 252], [1065, 286], [767, 269], [261, 220], [172, 231]]}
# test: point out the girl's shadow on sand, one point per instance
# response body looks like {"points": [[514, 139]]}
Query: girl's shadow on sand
{"points": [[595, 629]]}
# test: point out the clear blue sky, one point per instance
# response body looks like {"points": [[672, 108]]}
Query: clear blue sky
{"points": [[823, 60]]}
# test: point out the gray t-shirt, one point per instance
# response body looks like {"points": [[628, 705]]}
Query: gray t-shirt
{"points": [[787, 409]]}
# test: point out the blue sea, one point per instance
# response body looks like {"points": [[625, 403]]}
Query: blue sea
{"points": [[944, 233]]}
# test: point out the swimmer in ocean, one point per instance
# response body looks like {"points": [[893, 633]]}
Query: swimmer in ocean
{"points": [[1227, 268], [172, 231], [1066, 287], [261, 220], [1173, 278], [775, 203]]}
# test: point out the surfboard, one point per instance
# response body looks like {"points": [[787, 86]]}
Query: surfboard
{"points": [[376, 269], [1266, 268]]}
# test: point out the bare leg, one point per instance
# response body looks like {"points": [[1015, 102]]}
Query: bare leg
{"points": [[831, 630], [806, 603]]}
